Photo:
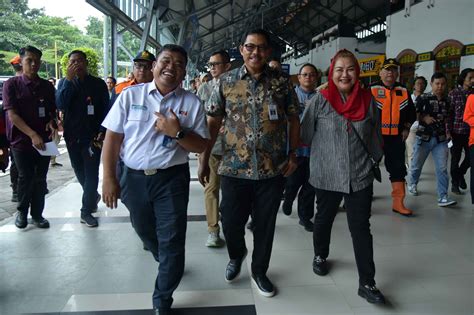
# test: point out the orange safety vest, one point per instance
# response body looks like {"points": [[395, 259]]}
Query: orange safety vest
{"points": [[390, 102], [122, 85], [468, 118]]}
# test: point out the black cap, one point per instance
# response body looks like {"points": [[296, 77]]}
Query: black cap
{"points": [[390, 63], [145, 56]]}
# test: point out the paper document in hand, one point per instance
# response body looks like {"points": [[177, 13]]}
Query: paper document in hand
{"points": [[50, 149]]}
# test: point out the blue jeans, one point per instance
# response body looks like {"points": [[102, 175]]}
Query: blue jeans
{"points": [[439, 151], [158, 207], [85, 161]]}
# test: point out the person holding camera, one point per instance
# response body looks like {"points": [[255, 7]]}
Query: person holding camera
{"points": [[432, 137]]}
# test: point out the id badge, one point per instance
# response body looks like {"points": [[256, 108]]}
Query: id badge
{"points": [[90, 109], [167, 142], [41, 112], [272, 112]]}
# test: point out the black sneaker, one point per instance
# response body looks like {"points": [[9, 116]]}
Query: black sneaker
{"points": [[233, 268], [286, 207], [308, 225], [320, 266], [371, 294], [462, 183], [264, 285], [250, 226], [89, 220], [21, 220], [455, 190], [41, 223], [96, 203], [14, 197]]}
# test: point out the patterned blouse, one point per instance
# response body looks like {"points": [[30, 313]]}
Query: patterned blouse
{"points": [[457, 98], [255, 128]]}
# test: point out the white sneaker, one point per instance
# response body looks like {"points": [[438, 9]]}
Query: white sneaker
{"points": [[446, 202], [412, 190], [214, 240]]}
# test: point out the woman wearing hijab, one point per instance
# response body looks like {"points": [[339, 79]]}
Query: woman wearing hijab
{"points": [[343, 169]]}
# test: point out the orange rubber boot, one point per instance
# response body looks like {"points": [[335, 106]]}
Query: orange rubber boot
{"points": [[398, 194]]}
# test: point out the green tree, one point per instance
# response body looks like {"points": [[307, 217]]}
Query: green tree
{"points": [[21, 26], [92, 59]]}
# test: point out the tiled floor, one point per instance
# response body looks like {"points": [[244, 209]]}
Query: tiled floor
{"points": [[425, 264]]}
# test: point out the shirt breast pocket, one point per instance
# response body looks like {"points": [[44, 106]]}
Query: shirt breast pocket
{"points": [[138, 115]]}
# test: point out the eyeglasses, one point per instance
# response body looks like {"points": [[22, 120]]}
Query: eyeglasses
{"points": [[252, 47], [306, 75], [212, 64], [142, 66]]}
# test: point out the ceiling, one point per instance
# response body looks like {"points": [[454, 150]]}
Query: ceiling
{"points": [[209, 25]]}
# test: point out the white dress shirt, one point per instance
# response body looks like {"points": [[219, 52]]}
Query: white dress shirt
{"points": [[133, 114]]}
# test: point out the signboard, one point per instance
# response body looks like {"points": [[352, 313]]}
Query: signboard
{"points": [[469, 50], [408, 58], [427, 56], [285, 68], [371, 66], [448, 51]]}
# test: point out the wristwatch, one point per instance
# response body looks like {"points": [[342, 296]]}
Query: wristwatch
{"points": [[180, 135]]}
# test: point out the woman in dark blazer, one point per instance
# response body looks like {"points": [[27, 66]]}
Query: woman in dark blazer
{"points": [[340, 166]]}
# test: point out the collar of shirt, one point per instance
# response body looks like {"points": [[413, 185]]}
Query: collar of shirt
{"points": [[151, 88], [30, 82], [243, 72], [431, 96], [307, 94]]}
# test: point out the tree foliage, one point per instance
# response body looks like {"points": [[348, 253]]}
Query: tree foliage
{"points": [[21, 26]]}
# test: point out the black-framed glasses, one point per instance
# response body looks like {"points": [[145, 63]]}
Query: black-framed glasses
{"points": [[252, 47], [140, 66], [310, 75], [213, 64]]}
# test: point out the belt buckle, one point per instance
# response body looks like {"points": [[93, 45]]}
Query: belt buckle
{"points": [[151, 171]]}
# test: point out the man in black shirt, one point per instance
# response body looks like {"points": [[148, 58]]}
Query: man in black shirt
{"points": [[84, 100]]}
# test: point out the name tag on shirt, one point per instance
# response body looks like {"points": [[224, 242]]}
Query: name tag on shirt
{"points": [[398, 93], [167, 142], [138, 113], [41, 112], [380, 93], [90, 110], [272, 112]]}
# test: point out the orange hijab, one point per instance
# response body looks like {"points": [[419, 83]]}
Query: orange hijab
{"points": [[356, 106]]}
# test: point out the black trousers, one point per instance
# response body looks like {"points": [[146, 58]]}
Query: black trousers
{"points": [[13, 174], [32, 171], [460, 143], [471, 151], [242, 197], [358, 209], [394, 152], [158, 207], [297, 184]]}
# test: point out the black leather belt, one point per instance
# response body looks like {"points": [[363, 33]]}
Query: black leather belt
{"points": [[153, 171]]}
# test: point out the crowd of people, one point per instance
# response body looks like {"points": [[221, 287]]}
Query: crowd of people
{"points": [[262, 143]]}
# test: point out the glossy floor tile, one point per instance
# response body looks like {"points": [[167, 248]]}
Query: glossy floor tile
{"points": [[424, 264]]}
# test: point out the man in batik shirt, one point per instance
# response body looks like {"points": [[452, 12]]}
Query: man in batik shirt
{"points": [[258, 104]]}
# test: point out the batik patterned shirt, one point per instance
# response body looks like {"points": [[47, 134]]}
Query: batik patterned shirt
{"points": [[255, 128]]}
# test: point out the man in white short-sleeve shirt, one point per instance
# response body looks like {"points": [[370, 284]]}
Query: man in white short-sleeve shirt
{"points": [[153, 126]]}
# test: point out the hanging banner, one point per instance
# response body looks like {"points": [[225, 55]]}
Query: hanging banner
{"points": [[371, 66]]}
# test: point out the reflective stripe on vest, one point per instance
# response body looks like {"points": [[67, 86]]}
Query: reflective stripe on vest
{"points": [[390, 105]]}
